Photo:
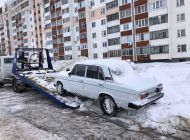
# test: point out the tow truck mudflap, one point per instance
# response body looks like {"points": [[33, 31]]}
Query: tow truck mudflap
{"points": [[135, 106]]}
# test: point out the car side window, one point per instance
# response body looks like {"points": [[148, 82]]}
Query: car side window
{"points": [[101, 74], [73, 70], [80, 70], [92, 72]]}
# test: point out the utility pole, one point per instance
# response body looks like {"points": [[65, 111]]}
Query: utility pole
{"points": [[133, 30]]}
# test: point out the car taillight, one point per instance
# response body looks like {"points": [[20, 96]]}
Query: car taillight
{"points": [[144, 95]]}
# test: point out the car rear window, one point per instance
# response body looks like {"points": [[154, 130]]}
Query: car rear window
{"points": [[95, 72]]}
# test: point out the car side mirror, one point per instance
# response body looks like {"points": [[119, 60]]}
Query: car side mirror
{"points": [[70, 73], [68, 69]]}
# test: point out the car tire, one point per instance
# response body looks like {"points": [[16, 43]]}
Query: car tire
{"points": [[60, 90], [108, 105]]}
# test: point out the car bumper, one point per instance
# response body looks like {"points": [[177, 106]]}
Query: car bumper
{"points": [[148, 102]]}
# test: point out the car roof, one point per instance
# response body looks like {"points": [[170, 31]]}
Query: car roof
{"points": [[104, 62]]}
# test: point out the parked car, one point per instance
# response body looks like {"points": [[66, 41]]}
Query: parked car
{"points": [[6, 63], [114, 83]]}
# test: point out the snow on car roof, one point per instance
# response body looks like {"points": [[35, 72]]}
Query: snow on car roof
{"points": [[105, 62]]}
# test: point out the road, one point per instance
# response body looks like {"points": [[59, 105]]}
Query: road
{"points": [[31, 116]]}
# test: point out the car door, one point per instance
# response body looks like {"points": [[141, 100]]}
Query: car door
{"points": [[76, 84], [94, 82]]}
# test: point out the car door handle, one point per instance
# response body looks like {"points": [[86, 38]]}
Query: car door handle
{"points": [[101, 85], [80, 81]]}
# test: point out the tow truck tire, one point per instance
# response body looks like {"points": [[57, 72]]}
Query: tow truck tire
{"points": [[15, 86], [108, 105], [1, 84], [18, 88], [60, 90]]}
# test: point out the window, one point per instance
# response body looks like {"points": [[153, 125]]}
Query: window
{"points": [[92, 13], [158, 4], [159, 34], [143, 50], [93, 35], [159, 49], [180, 3], [103, 11], [114, 53], [112, 5], [142, 36], [8, 60], [103, 21], [113, 17], [104, 44], [93, 24], [125, 13], [95, 72], [158, 20], [181, 17], [127, 52], [181, 33], [113, 29], [80, 70], [95, 55], [114, 41], [94, 45], [141, 9], [182, 48], [103, 33], [141, 23]]}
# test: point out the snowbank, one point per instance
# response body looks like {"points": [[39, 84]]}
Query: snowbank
{"points": [[176, 102]]}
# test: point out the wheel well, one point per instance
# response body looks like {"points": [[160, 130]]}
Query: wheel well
{"points": [[104, 94]]}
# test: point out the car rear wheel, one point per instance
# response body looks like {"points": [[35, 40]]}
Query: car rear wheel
{"points": [[60, 89], [108, 105]]}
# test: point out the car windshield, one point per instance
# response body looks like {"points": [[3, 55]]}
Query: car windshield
{"points": [[122, 71]]}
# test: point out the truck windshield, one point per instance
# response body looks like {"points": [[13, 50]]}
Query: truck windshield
{"points": [[8, 60]]}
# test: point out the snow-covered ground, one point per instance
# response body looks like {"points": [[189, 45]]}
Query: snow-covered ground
{"points": [[176, 102], [168, 118]]}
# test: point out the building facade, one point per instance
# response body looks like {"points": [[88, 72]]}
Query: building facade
{"points": [[139, 30], [22, 24]]}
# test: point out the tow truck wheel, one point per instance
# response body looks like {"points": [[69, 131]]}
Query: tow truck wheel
{"points": [[1, 84], [108, 105], [60, 89], [18, 88], [15, 86]]}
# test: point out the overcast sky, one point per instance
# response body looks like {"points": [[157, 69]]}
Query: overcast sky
{"points": [[2, 2]]}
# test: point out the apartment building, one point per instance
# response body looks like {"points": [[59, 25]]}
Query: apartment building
{"points": [[5, 46], [21, 22], [139, 30], [61, 28]]}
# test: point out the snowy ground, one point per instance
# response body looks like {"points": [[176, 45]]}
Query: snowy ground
{"points": [[31, 116]]}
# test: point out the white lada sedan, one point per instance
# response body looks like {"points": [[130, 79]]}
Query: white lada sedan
{"points": [[114, 83]]}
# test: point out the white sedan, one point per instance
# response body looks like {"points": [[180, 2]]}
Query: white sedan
{"points": [[114, 83]]}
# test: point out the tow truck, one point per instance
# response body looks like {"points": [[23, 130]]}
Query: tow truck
{"points": [[32, 67]]}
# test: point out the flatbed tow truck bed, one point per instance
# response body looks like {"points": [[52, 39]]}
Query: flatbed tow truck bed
{"points": [[41, 80]]}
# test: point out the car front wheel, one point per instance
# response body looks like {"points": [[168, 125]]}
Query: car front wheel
{"points": [[60, 89], [108, 105]]}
